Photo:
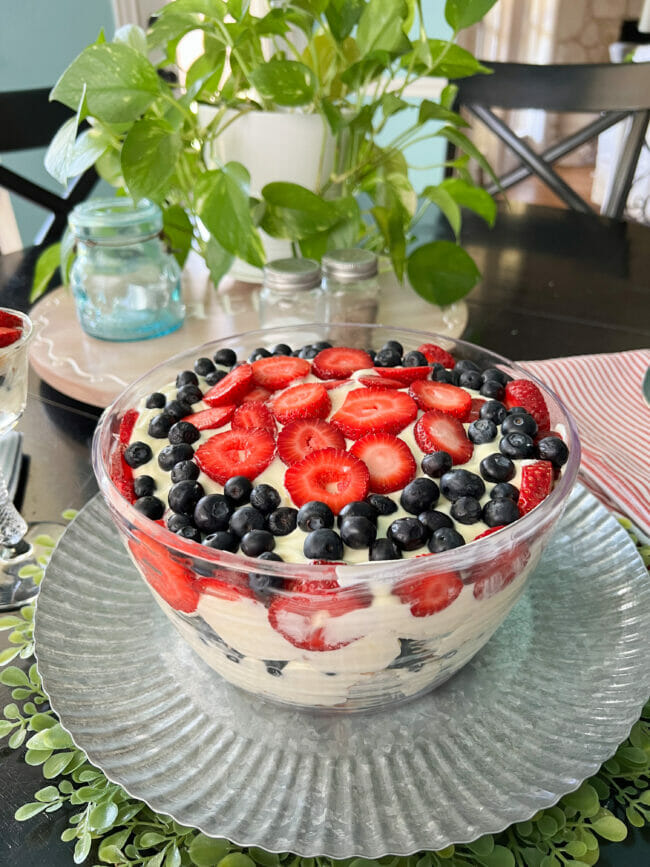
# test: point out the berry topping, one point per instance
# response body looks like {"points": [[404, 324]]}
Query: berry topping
{"points": [[499, 512], [10, 320], [189, 394], [445, 539], [482, 431], [492, 577], [519, 422], [407, 534], [461, 483], [215, 377], [260, 352], [246, 519], [203, 366], [536, 484], [222, 540], [231, 388], [9, 335], [436, 464], [403, 375], [415, 359], [139, 453], [279, 371], [300, 437], [254, 414], [360, 508], [434, 353], [151, 507], [257, 542], [493, 410], [323, 544], [434, 520], [236, 453], [357, 531], [492, 389], [315, 515], [523, 392], [429, 594], [380, 382], [257, 393], [331, 476], [469, 379], [436, 431], [265, 498], [418, 496], [383, 505], [143, 486], [283, 521], [475, 411], [212, 513], [183, 432], [552, 449], [517, 445], [225, 357], [384, 549], [503, 490], [309, 400], [441, 396], [183, 497], [497, 468], [389, 460], [466, 510], [238, 489], [371, 410], [171, 455], [156, 400], [210, 419], [389, 356], [340, 362]]}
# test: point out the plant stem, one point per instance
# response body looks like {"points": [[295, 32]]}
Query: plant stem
{"points": [[178, 105]]}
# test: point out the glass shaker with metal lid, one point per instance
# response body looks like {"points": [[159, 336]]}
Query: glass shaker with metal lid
{"points": [[292, 293], [351, 284]]}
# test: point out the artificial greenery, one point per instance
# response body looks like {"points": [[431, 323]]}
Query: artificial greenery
{"points": [[349, 61], [120, 830]]}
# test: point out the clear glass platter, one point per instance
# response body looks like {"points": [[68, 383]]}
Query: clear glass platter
{"points": [[533, 714]]}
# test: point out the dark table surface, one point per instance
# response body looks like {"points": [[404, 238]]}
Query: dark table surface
{"points": [[554, 283]]}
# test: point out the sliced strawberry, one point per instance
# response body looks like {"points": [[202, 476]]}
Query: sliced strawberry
{"points": [[309, 400], [329, 384], [389, 460], [9, 335], [489, 532], [232, 388], [430, 593], [536, 485], [279, 371], [120, 472], [523, 392], [167, 574], [369, 410], [332, 476], [226, 588], [541, 434], [405, 375], [475, 410], [257, 393], [442, 396], [235, 453], [304, 435], [304, 619], [491, 578], [339, 362], [127, 423], [436, 431], [254, 414], [10, 320], [210, 419], [380, 382], [434, 353]]}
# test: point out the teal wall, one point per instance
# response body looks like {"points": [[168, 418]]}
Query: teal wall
{"points": [[38, 39]]}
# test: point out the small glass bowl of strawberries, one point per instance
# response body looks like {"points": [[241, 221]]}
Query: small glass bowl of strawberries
{"points": [[336, 526], [15, 333]]}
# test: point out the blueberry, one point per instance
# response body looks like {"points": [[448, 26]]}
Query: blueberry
{"points": [[461, 483], [256, 542], [466, 364], [419, 495], [493, 410], [519, 423], [384, 549], [503, 490], [308, 351], [443, 375], [238, 489], [395, 346], [183, 497], [497, 468], [436, 464], [189, 394], [517, 445], [281, 349], [516, 410], [383, 505], [184, 470], [466, 510], [357, 531], [203, 366], [143, 486], [226, 357], [322, 344], [445, 539], [258, 353], [222, 540], [470, 379], [246, 519], [323, 544], [358, 508], [212, 513], [215, 377], [498, 512], [137, 453], [454, 376], [190, 532], [434, 520], [265, 498], [156, 400], [159, 425], [315, 515], [176, 522], [270, 555], [151, 507], [172, 454], [263, 585], [283, 521], [407, 534], [414, 359], [178, 409], [183, 432], [496, 375], [553, 449], [387, 357], [482, 431], [493, 389], [186, 377]]}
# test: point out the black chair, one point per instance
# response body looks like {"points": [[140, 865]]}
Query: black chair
{"points": [[614, 91], [29, 120]]}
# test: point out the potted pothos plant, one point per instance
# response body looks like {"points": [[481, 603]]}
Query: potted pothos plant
{"points": [[349, 62]]}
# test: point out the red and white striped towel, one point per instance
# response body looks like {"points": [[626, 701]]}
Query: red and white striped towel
{"points": [[603, 393]]}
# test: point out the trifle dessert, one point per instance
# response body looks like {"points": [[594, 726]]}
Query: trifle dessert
{"points": [[338, 526], [15, 331]]}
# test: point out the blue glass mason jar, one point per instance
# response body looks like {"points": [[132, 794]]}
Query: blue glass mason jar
{"points": [[126, 285]]}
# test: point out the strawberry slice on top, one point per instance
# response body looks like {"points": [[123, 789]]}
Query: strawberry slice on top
{"points": [[333, 476], [389, 460], [373, 381], [232, 388], [339, 362], [429, 594], [308, 400], [434, 353], [235, 453], [10, 320], [9, 335], [368, 410], [442, 396], [304, 435], [212, 418], [257, 393], [437, 431], [536, 485], [475, 410], [523, 392], [279, 371], [404, 375], [254, 414]]}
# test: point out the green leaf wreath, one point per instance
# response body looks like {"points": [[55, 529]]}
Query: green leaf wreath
{"points": [[120, 830]]}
